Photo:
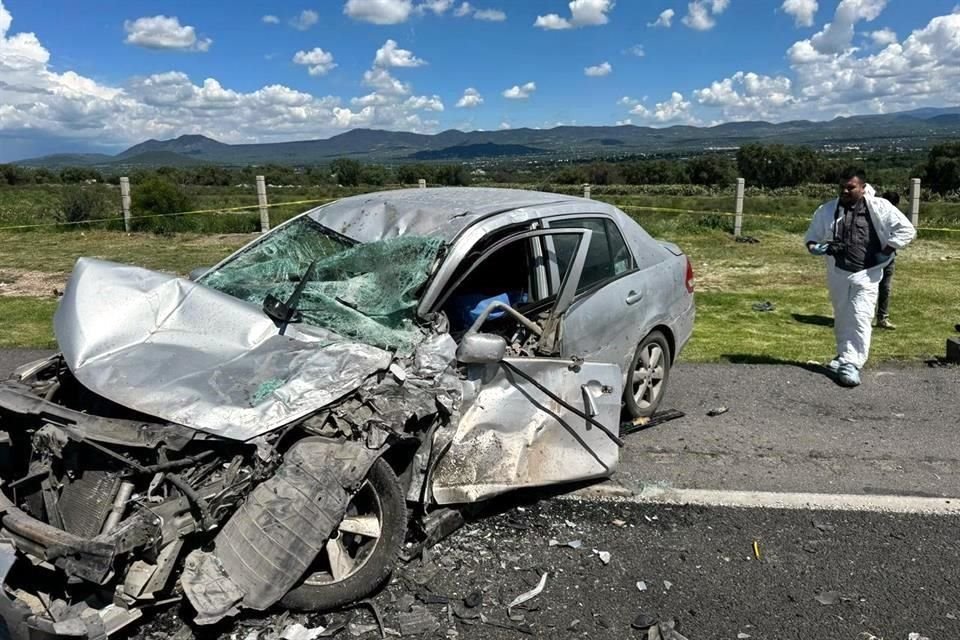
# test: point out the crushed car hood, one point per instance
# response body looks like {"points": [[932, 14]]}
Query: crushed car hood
{"points": [[188, 354]]}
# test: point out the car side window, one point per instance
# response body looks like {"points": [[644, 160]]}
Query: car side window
{"points": [[607, 257]]}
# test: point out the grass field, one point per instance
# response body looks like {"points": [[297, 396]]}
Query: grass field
{"points": [[731, 277]]}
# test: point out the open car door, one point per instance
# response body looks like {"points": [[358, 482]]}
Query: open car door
{"points": [[533, 421]]}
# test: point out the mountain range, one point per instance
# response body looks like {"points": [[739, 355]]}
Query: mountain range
{"points": [[917, 129]]}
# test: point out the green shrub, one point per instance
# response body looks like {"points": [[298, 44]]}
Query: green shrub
{"points": [[158, 197], [79, 204]]}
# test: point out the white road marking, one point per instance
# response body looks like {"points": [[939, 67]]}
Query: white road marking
{"points": [[771, 500]]}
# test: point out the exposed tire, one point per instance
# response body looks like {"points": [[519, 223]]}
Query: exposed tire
{"points": [[647, 379], [322, 589]]}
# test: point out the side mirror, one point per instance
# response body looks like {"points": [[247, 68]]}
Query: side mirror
{"points": [[481, 348], [196, 273]]}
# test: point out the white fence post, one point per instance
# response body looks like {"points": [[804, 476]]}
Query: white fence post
{"points": [[738, 209], [125, 202], [422, 183], [586, 191], [262, 201], [915, 201]]}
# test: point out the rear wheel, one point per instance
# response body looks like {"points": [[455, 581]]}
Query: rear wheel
{"points": [[648, 375], [363, 550]]}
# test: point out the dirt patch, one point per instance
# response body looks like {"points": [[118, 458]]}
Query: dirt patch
{"points": [[34, 284]]}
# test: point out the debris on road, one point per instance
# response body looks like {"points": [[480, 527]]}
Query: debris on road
{"points": [[916, 636], [666, 585], [643, 622], [828, 597], [417, 622], [297, 631], [823, 526], [604, 556], [640, 424], [641, 586], [473, 599], [529, 595], [573, 544], [717, 411], [756, 549]]}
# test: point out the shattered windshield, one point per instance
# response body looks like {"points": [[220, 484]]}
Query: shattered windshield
{"points": [[367, 292]]}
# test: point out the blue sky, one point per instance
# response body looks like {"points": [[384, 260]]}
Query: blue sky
{"points": [[98, 75]]}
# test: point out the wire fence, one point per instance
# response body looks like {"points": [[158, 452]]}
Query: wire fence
{"points": [[263, 207]]}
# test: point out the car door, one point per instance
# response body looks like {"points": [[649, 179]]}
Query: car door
{"points": [[611, 311], [532, 421]]}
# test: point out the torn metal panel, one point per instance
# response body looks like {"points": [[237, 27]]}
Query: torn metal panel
{"points": [[208, 360], [513, 435], [274, 537]]}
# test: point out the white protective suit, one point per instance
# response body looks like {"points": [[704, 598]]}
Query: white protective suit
{"points": [[854, 295]]}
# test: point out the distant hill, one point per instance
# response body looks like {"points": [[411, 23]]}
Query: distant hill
{"points": [[481, 150], [917, 129]]}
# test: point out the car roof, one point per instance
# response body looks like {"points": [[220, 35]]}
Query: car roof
{"points": [[441, 212]]}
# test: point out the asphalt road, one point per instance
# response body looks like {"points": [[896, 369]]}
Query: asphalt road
{"points": [[787, 429]]}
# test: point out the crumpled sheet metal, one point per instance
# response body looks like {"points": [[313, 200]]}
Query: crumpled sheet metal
{"points": [[508, 436], [187, 354], [442, 212], [273, 538]]}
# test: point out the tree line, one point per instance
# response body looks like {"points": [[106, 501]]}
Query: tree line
{"points": [[761, 165]]}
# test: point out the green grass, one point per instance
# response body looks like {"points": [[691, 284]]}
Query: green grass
{"points": [[26, 322], [731, 277]]}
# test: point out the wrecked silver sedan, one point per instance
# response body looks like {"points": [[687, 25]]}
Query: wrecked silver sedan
{"points": [[270, 433]]}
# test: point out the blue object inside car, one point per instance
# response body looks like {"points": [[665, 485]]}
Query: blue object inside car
{"points": [[465, 309]]}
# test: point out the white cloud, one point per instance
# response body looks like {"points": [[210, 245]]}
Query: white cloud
{"points": [[698, 16], [676, 110], [320, 62], [471, 98], [552, 22], [464, 9], [306, 19], [665, 19], [748, 95], [636, 50], [627, 101], [424, 103], [438, 7], [162, 32], [583, 13], [625, 121], [597, 71], [504, 125], [517, 92], [837, 36], [390, 56], [37, 103], [701, 13], [379, 11], [489, 15], [383, 83], [922, 70], [803, 11], [269, 19], [883, 37]]}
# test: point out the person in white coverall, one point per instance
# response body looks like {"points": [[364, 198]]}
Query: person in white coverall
{"points": [[858, 234]]}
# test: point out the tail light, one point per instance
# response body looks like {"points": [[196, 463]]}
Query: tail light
{"points": [[689, 279]]}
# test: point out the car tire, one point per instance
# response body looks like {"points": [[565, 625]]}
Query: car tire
{"points": [[645, 386], [320, 591]]}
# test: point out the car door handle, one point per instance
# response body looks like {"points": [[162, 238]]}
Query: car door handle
{"points": [[634, 296], [589, 404]]}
